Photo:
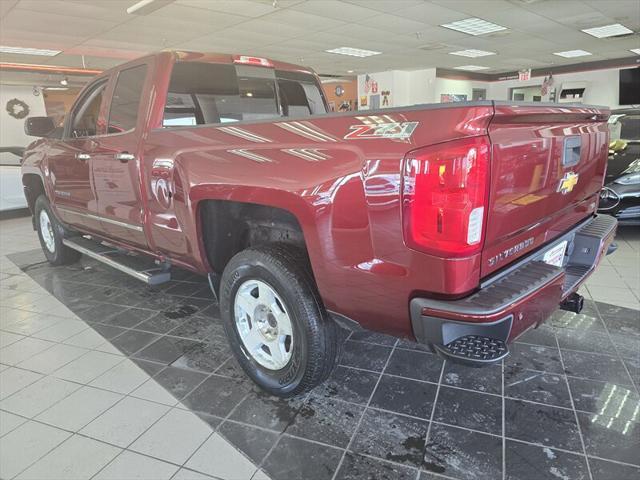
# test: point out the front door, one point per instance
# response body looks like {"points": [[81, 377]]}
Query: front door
{"points": [[70, 161], [116, 162]]}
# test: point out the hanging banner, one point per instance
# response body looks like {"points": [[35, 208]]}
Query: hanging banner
{"points": [[524, 75]]}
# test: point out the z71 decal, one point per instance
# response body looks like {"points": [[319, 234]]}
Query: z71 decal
{"points": [[395, 130]]}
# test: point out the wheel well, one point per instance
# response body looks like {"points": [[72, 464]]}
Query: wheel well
{"points": [[230, 227], [33, 188]]}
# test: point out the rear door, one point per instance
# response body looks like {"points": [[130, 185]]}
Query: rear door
{"points": [[70, 160], [547, 167], [116, 162]]}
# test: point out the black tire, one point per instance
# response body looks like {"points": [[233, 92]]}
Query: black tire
{"points": [[314, 346], [61, 254]]}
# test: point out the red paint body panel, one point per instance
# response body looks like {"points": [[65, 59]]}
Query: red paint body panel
{"points": [[346, 195]]}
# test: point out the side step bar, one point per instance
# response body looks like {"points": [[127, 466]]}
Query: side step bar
{"points": [[136, 266]]}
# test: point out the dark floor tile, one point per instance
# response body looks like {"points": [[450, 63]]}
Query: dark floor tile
{"points": [[179, 382], [255, 443], [595, 367], [294, 458], [621, 320], [267, 411], [102, 313], [402, 395], [326, 420], [183, 289], [130, 317], [204, 357], [542, 424], [364, 355], [166, 349], [203, 292], [391, 437], [460, 453], [211, 420], [357, 467], [585, 321], [486, 379], [199, 328], [611, 438], [534, 357], [160, 323], [549, 388], [585, 341], [603, 470], [217, 396], [107, 331], [134, 297], [407, 344], [373, 337], [349, 385], [415, 364], [627, 346], [464, 408], [152, 368], [543, 335], [104, 294], [604, 398], [532, 462], [132, 341], [231, 368]]}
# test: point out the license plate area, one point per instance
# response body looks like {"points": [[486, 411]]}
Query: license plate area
{"points": [[555, 255]]}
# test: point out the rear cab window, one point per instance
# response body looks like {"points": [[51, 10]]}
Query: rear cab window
{"points": [[208, 93]]}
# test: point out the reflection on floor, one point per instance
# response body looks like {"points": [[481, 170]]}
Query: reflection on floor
{"points": [[564, 404]]}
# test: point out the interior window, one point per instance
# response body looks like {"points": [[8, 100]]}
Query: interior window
{"points": [[123, 114], [203, 93], [85, 119]]}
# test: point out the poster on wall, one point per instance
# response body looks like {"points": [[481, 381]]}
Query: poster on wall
{"points": [[363, 101], [452, 97], [386, 98]]}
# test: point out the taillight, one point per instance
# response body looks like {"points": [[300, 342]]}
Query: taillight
{"points": [[444, 198]]}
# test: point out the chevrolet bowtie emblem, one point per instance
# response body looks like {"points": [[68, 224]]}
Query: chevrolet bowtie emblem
{"points": [[567, 182]]}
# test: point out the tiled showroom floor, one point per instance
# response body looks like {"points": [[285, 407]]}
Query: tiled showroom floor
{"points": [[102, 377]]}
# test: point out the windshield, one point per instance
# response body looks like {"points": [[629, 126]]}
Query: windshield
{"points": [[205, 93]]}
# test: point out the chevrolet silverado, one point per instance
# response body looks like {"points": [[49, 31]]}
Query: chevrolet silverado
{"points": [[459, 226]]}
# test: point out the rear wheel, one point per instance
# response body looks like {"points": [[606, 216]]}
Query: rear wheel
{"points": [[275, 322], [51, 234]]}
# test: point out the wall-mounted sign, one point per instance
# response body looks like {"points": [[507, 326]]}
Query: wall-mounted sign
{"points": [[524, 75], [364, 101], [339, 91], [17, 108]]}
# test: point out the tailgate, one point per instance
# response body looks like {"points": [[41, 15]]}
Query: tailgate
{"points": [[547, 167]]}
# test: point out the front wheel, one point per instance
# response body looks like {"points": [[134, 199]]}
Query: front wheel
{"points": [[275, 322], [51, 235]]}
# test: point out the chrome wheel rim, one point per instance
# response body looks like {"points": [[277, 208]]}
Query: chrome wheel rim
{"points": [[46, 230], [263, 324]]}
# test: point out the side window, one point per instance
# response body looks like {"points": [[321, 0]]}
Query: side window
{"points": [[125, 103], [84, 120], [299, 94]]}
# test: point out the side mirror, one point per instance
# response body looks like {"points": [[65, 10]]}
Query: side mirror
{"points": [[39, 126]]}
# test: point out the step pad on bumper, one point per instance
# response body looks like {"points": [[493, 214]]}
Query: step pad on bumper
{"points": [[475, 349]]}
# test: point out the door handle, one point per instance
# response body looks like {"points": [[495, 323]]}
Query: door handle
{"points": [[83, 156], [124, 156]]}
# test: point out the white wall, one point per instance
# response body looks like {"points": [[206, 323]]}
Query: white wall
{"points": [[602, 88], [12, 129]]}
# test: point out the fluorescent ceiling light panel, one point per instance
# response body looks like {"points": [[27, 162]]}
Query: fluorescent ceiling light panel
{"points": [[29, 51], [608, 31], [474, 26], [572, 53], [353, 52], [471, 53], [635, 50], [471, 68]]}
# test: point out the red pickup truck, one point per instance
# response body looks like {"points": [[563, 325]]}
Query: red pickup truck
{"points": [[456, 225]]}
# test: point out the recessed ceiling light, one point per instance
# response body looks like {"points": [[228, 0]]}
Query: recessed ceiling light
{"points": [[608, 31], [349, 71], [474, 26], [471, 68], [635, 50], [472, 53], [353, 52], [572, 53], [29, 51]]}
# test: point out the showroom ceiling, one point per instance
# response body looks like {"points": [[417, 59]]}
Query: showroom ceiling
{"points": [[408, 34]]}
